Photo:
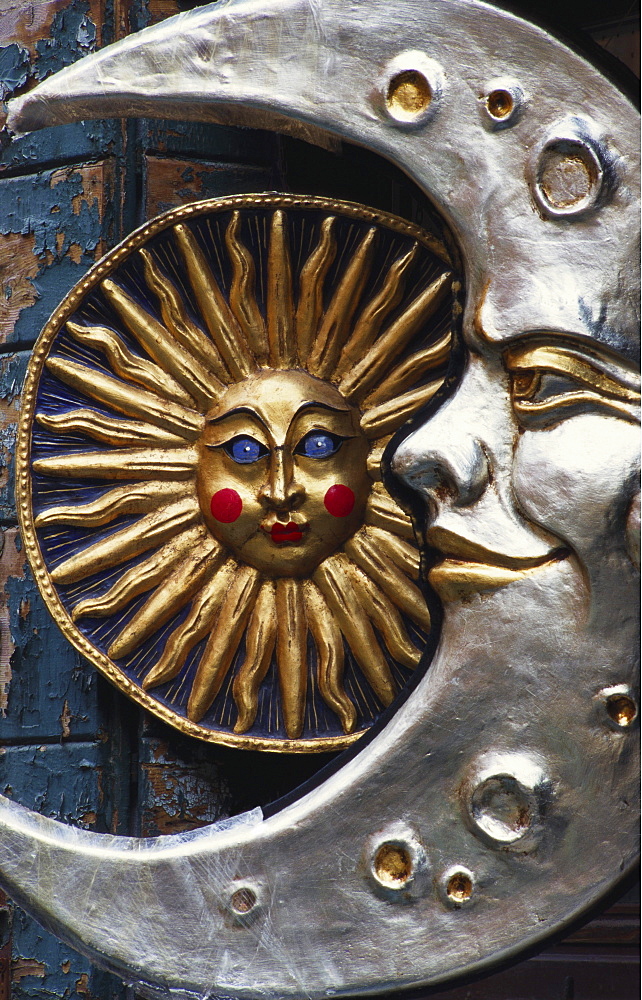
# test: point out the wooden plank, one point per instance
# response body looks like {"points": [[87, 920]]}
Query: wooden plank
{"points": [[180, 786], [248, 147], [5, 946], [12, 374], [47, 690], [52, 228], [176, 181]]}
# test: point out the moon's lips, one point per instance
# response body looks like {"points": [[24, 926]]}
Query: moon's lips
{"points": [[339, 500], [226, 506], [289, 532]]}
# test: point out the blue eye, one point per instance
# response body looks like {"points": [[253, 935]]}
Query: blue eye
{"points": [[245, 450], [319, 444]]}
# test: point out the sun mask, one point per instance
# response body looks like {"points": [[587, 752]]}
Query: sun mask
{"points": [[229, 554], [282, 477]]}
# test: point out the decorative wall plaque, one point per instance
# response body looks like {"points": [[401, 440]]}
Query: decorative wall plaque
{"points": [[501, 801], [200, 464]]}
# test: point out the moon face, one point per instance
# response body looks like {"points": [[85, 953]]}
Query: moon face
{"points": [[481, 818]]}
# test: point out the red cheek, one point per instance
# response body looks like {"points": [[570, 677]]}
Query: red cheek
{"points": [[226, 506], [339, 500]]}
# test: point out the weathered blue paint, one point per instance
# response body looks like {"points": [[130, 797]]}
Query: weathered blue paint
{"points": [[73, 35], [14, 69], [53, 690], [64, 782], [44, 206], [212, 142], [12, 373], [63, 226], [65, 144]]}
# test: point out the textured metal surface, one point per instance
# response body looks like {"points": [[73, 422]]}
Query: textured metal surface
{"points": [[501, 800]]}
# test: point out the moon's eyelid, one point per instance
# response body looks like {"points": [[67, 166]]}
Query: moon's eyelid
{"points": [[600, 376]]}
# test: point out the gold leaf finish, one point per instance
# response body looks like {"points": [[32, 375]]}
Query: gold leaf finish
{"points": [[201, 492], [280, 308], [338, 317], [223, 328], [128, 399], [311, 284], [292, 653], [259, 645], [223, 642], [243, 291], [372, 367]]}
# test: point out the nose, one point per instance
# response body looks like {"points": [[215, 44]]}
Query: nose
{"points": [[281, 492], [448, 458]]}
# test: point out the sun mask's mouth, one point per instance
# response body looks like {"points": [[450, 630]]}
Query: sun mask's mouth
{"points": [[283, 533]]}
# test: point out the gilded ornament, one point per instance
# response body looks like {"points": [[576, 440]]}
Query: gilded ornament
{"points": [[201, 475]]}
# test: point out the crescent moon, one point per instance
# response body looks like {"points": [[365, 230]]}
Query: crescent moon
{"points": [[500, 801]]}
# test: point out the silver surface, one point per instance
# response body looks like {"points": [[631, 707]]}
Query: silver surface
{"points": [[504, 762]]}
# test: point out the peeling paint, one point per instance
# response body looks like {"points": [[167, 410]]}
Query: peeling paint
{"points": [[19, 265], [22, 967], [73, 34], [31, 21], [65, 719], [52, 228], [11, 564], [178, 794], [12, 372], [14, 69]]}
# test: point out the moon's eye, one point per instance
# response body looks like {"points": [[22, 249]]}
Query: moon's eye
{"points": [[537, 387], [319, 444], [245, 450]]}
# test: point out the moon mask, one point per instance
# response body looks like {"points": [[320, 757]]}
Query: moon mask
{"points": [[458, 824]]}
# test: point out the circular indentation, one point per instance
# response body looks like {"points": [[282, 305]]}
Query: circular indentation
{"points": [[410, 88], [243, 900], [503, 809], [500, 104], [622, 710], [409, 95], [505, 797], [569, 176], [393, 865], [618, 707], [566, 178], [459, 886]]}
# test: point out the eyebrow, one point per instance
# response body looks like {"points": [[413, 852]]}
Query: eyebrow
{"points": [[314, 405], [249, 411], [237, 409]]}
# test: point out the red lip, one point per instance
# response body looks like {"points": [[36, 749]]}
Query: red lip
{"points": [[289, 532]]}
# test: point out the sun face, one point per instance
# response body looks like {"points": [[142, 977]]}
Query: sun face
{"points": [[292, 457], [201, 486]]}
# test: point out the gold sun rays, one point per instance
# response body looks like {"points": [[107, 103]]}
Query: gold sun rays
{"points": [[355, 327]]}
